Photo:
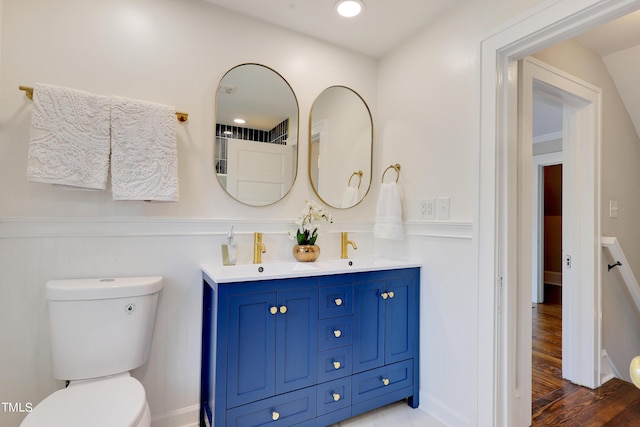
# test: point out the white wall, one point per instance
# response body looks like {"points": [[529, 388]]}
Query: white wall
{"points": [[172, 52], [428, 121], [620, 175]]}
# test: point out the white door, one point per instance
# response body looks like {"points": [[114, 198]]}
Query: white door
{"points": [[258, 173]]}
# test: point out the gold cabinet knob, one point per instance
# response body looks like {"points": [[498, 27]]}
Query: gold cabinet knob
{"points": [[273, 310], [275, 416], [391, 294], [283, 309], [336, 365], [384, 295], [385, 381], [337, 333], [338, 302], [336, 397]]}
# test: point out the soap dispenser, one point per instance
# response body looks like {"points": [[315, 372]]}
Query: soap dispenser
{"points": [[229, 250]]}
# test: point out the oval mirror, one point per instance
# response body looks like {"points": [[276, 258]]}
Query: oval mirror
{"points": [[256, 148], [341, 152]]}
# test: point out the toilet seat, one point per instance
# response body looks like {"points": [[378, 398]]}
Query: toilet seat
{"points": [[111, 402]]}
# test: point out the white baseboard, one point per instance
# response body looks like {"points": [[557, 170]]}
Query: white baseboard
{"points": [[442, 412], [185, 417]]}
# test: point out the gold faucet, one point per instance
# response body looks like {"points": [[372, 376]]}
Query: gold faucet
{"points": [[344, 239], [258, 248]]}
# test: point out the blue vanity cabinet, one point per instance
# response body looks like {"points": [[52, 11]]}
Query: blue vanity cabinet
{"points": [[308, 351]]}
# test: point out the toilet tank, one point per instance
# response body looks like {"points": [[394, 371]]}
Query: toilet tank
{"points": [[101, 327]]}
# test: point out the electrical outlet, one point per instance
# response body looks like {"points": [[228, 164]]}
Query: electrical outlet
{"points": [[426, 209], [442, 207]]}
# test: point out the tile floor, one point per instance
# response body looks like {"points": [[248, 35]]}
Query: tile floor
{"points": [[397, 414]]}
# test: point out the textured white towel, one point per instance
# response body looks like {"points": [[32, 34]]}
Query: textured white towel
{"points": [[69, 137], [388, 223], [350, 197], [144, 164]]}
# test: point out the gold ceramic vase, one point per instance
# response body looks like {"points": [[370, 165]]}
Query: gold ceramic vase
{"points": [[306, 253]]}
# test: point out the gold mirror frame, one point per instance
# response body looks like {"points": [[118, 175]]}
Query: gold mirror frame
{"points": [[256, 163], [340, 147]]}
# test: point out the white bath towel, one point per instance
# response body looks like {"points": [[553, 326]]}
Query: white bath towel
{"points": [[69, 137], [350, 197], [144, 163], [388, 223]]}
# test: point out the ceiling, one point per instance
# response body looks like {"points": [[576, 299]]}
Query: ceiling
{"points": [[383, 25]]}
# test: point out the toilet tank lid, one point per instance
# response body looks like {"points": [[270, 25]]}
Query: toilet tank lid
{"points": [[101, 288]]}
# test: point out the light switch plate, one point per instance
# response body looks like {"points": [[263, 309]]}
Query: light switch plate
{"points": [[442, 207]]}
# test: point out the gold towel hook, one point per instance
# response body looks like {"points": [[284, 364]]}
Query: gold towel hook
{"points": [[395, 167], [28, 92], [359, 175]]}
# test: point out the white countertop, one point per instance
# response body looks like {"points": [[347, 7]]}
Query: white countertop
{"points": [[288, 269]]}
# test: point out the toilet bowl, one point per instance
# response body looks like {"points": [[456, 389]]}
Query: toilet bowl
{"points": [[109, 402], [100, 330]]}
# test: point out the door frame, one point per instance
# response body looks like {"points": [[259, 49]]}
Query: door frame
{"points": [[545, 25]]}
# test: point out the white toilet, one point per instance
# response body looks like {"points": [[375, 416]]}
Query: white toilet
{"points": [[100, 330]]}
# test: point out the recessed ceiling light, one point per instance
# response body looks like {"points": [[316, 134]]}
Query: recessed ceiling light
{"points": [[239, 121], [349, 8]]}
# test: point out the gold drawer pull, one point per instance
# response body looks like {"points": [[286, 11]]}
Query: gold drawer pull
{"points": [[337, 333], [336, 397], [385, 381], [283, 309], [275, 416], [273, 310], [338, 302], [336, 365], [391, 294], [384, 295]]}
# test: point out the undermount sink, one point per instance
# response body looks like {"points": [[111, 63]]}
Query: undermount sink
{"points": [[286, 269]]}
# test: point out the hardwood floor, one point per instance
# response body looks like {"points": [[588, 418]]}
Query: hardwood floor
{"points": [[557, 402]]}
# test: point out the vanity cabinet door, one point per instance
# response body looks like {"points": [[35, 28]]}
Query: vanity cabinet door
{"points": [[399, 321], [251, 348], [368, 326], [296, 343]]}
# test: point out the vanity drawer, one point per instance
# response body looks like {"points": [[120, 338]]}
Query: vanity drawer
{"points": [[334, 395], [334, 332], [335, 363], [279, 411], [335, 301], [378, 382]]}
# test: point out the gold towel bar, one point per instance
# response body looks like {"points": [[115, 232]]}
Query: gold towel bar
{"points": [[28, 91], [396, 167]]}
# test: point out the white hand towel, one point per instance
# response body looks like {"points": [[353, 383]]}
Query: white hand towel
{"points": [[388, 223], [69, 137], [144, 159], [350, 197]]}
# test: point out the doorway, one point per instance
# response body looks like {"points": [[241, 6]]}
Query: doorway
{"points": [[580, 106]]}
